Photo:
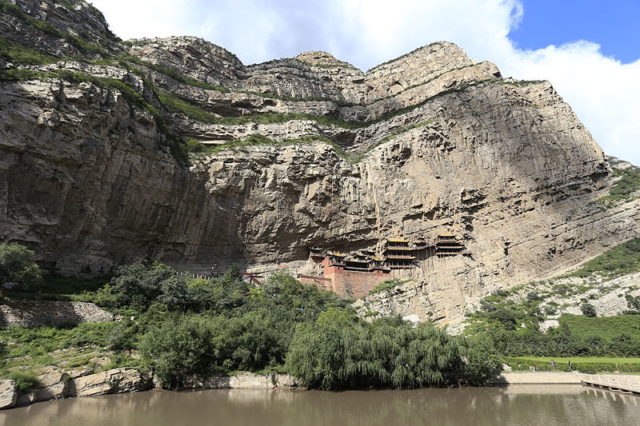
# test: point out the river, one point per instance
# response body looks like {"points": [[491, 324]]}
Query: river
{"points": [[516, 405]]}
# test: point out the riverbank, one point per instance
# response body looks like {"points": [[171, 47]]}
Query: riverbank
{"points": [[57, 385], [550, 405], [128, 380]]}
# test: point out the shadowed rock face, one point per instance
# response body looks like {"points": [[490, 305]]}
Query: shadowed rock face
{"points": [[429, 142]]}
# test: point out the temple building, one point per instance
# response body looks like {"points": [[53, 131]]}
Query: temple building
{"points": [[447, 245], [399, 254], [354, 274]]}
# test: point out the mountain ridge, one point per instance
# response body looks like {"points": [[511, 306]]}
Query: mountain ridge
{"points": [[171, 149]]}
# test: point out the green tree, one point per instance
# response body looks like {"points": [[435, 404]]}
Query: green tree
{"points": [[339, 351], [139, 285], [17, 264], [180, 348]]}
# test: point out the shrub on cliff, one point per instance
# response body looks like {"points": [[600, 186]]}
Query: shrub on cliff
{"points": [[17, 265]]}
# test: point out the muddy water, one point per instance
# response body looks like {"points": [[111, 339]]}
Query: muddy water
{"points": [[514, 406]]}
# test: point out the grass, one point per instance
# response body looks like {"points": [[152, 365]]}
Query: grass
{"points": [[626, 187], [175, 144], [33, 348], [199, 149], [621, 260], [130, 94], [25, 380], [44, 26], [606, 328], [41, 341], [178, 106], [294, 99], [30, 349], [192, 111], [175, 74], [582, 364], [18, 54]]}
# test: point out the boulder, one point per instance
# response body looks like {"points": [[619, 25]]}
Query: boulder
{"points": [[8, 393], [117, 380]]}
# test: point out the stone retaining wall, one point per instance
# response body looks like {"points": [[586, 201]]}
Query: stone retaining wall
{"points": [[34, 313]]}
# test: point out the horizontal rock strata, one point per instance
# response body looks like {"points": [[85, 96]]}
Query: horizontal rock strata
{"points": [[91, 176]]}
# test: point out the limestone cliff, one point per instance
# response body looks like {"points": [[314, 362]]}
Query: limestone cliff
{"points": [[93, 173]]}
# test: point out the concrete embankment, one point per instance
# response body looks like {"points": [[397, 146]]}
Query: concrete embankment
{"points": [[615, 382], [540, 378]]}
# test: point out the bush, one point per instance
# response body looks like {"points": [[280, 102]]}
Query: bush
{"points": [[193, 346], [140, 285], [532, 296], [588, 310], [124, 336], [339, 351], [26, 381], [17, 264], [386, 285], [633, 303], [180, 349]]}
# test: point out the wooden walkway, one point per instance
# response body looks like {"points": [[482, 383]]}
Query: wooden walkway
{"points": [[616, 382]]}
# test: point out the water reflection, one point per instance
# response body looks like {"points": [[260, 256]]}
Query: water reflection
{"points": [[514, 406]]}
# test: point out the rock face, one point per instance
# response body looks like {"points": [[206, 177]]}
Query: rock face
{"points": [[430, 142], [119, 380], [8, 393]]}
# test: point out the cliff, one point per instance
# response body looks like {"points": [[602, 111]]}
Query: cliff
{"points": [[286, 155]]}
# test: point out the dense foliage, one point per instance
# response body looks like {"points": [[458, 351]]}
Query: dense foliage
{"points": [[189, 328], [513, 324], [514, 330], [340, 352], [17, 265]]}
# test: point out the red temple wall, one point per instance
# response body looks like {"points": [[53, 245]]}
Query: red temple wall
{"points": [[345, 283]]}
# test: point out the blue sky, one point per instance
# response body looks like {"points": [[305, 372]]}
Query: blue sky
{"points": [[613, 24], [589, 50]]}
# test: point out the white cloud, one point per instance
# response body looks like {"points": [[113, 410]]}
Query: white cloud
{"points": [[604, 92]]}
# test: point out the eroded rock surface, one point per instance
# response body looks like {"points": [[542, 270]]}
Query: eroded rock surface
{"points": [[8, 393], [118, 380], [430, 142]]}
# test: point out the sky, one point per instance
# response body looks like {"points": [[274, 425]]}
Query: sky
{"points": [[588, 49]]}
